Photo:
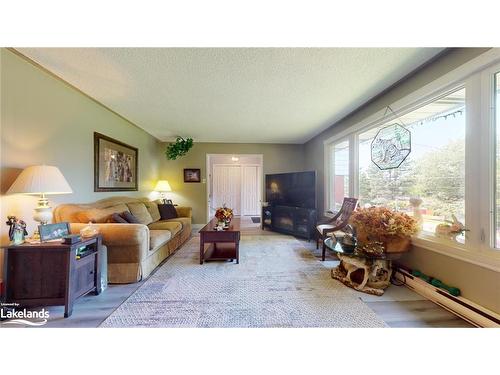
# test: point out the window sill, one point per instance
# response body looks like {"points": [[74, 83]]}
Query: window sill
{"points": [[489, 259]]}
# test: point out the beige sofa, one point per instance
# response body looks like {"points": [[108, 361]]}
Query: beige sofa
{"points": [[134, 250]]}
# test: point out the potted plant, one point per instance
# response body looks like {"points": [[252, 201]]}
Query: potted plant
{"points": [[178, 148], [381, 224]]}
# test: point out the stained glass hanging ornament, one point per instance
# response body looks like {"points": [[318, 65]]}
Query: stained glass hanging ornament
{"points": [[391, 146]]}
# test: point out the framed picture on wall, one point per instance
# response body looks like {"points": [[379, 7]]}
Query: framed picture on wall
{"points": [[115, 165], [192, 175]]}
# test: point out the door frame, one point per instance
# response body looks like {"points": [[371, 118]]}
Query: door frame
{"points": [[260, 174]]}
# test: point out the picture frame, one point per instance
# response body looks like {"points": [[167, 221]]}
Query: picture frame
{"points": [[192, 175], [115, 165], [51, 232]]}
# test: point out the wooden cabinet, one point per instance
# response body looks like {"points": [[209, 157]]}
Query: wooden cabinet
{"points": [[51, 273], [297, 221]]}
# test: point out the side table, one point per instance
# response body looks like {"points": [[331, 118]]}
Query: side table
{"points": [[50, 273], [366, 273]]}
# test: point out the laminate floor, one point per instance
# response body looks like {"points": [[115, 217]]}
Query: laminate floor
{"points": [[398, 307]]}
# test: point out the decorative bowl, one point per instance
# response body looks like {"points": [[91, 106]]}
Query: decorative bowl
{"points": [[348, 244]]}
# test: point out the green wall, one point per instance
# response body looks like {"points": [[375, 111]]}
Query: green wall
{"points": [[276, 158], [46, 121], [43, 120]]}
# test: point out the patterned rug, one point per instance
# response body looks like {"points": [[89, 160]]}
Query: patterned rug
{"points": [[278, 283]]}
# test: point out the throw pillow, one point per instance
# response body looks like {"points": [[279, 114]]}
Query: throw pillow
{"points": [[153, 210], [99, 215], [116, 218], [167, 211], [130, 218], [139, 210]]}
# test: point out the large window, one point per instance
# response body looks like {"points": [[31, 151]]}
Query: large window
{"points": [[434, 171], [452, 171], [339, 160]]}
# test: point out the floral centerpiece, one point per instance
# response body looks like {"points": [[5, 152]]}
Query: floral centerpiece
{"points": [[384, 225], [224, 214]]}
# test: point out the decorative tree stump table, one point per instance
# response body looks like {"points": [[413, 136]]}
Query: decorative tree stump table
{"points": [[366, 273]]}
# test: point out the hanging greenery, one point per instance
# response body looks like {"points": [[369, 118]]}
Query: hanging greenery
{"points": [[178, 148]]}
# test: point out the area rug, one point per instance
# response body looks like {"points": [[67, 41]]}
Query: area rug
{"points": [[278, 283]]}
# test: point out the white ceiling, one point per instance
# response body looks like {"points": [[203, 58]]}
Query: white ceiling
{"points": [[262, 95]]}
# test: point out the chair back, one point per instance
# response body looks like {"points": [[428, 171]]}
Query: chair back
{"points": [[342, 217]]}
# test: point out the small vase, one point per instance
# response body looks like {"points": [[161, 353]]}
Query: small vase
{"points": [[18, 237], [417, 213], [397, 245]]}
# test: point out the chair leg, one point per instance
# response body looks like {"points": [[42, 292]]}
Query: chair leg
{"points": [[323, 252]]}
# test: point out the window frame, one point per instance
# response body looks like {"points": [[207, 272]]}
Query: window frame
{"points": [[330, 164], [488, 152], [477, 77]]}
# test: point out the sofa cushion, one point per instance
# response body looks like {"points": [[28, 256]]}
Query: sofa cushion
{"points": [[167, 211], [100, 215], [116, 218], [129, 218], [173, 226], [153, 210], [158, 237], [183, 220], [139, 210]]}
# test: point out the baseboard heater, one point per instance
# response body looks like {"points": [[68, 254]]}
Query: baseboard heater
{"points": [[462, 307]]}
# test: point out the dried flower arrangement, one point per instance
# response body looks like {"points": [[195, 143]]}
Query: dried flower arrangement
{"points": [[384, 225], [224, 214]]}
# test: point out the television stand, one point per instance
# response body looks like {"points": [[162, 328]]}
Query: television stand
{"points": [[297, 221]]}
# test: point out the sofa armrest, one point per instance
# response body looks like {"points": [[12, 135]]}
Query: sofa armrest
{"points": [[114, 234], [184, 211]]}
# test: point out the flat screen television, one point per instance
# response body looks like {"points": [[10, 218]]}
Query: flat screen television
{"points": [[296, 189]]}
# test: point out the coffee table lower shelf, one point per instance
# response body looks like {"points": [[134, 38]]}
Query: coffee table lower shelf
{"points": [[220, 251]]}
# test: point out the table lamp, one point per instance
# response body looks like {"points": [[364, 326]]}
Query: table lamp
{"points": [[162, 187], [41, 180]]}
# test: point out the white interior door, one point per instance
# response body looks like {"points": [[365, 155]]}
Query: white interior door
{"points": [[227, 187], [250, 190]]}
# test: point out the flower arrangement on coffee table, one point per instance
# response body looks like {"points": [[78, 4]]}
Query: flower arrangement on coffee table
{"points": [[380, 224], [224, 214]]}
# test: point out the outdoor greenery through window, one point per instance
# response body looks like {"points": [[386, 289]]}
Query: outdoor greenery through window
{"points": [[340, 175], [432, 178]]}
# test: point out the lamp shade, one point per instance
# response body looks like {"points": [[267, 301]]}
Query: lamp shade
{"points": [[40, 179], [162, 186]]}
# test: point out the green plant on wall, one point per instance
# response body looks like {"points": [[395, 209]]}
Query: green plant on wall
{"points": [[178, 148]]}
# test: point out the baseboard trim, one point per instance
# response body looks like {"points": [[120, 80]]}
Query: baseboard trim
{"points": [[460, 306]]}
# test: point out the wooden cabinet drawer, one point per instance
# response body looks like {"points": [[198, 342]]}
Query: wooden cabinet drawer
{"points": [[84, 275]]}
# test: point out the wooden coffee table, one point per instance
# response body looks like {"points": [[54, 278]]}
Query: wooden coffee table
{"points": [[220, 245]]}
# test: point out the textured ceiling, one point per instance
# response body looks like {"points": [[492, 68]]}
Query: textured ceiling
{"points": [[282, 95]]}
